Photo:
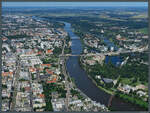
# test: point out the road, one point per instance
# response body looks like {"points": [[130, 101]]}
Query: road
{"points": [[31, 91], [15, 82]]}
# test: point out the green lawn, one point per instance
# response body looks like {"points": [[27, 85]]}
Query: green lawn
{"points": [[125, 80]]}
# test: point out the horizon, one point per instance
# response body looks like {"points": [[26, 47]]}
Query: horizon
{"points": [[74, 4]]}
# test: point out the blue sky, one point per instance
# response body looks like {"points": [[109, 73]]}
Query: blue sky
{"points": [[43, 4]]}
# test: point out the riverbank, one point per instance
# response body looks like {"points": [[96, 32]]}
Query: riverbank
{"points": [[132, 100], [73, 81], [124, 97], [100, 87], [75, 87]]}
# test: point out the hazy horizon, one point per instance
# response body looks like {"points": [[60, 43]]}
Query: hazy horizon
{"points": [[73, 4]]}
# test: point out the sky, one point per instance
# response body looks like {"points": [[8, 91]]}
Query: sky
{"points": [[44, 4]]}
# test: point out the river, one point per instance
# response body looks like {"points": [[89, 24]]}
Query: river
{"points": [[83, 82]]}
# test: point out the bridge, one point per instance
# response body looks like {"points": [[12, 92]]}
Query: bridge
{"points": [[93, 54], [106, 53]]}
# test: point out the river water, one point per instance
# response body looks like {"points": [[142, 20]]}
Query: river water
{"points": [[84, 83]]}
